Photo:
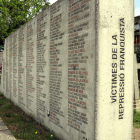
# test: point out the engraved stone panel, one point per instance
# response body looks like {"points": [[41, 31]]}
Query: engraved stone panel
{"points": [[15, 67], [41, 65], [21, 67], [2, 62], [71, 66], [31, 67], [10, 65], [7, 67], [57, 64], [4, 71]]}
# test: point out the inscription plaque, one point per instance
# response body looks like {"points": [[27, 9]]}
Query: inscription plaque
{"points": [[71, 66], [41, 61], [21, 68], [57, 31], [30, 68], [15, 65]]}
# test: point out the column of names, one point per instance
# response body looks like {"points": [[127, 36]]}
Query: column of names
{"points": [[55, 79], [10, 63], [15, 65], [30, 62], [20, 66], [41, 66], [7, 65], [77, 64]]}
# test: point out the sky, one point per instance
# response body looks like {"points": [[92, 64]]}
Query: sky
{"points": [[137, 7], [136, 3], [52, 1]]}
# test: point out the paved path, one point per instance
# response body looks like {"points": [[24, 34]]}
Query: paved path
{"points": [[5, 134]]}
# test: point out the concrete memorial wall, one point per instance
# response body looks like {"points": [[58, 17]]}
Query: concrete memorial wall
{"points": [[71, 67], [2, 86], [1, 59]]}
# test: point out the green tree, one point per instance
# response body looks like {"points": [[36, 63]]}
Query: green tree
{"points": [[15, 13]]}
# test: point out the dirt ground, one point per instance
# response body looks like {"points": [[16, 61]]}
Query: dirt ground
{"points": [[136, 134]]}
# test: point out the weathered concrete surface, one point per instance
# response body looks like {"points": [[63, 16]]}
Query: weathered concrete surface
{"points": [[63, 64], [2, 125], [5, 134], [115, 70]]}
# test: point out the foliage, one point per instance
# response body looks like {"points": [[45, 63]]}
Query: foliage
{"points": [[137, 52], [136, 119], [15, 13]]}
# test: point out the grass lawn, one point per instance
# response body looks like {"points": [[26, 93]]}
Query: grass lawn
{"points": [[136, 119], [22, 126]]}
